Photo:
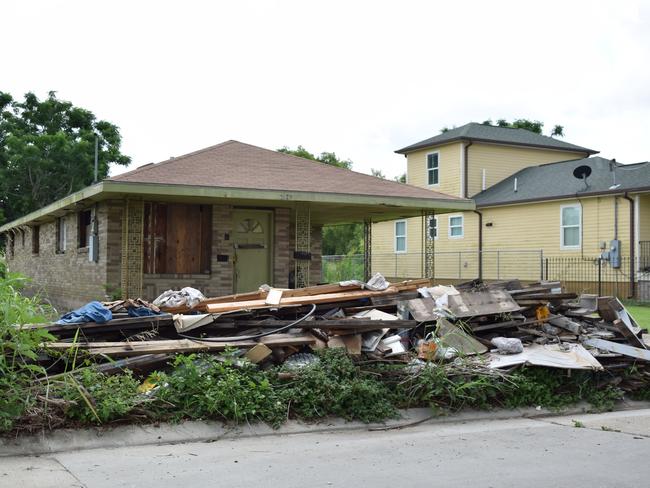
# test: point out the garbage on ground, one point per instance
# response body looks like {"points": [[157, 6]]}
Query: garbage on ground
{"points": [[500, 325]]}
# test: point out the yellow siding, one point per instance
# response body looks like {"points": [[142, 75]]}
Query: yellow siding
{"points": [[500, 162], [644, 218], [518, 232], [449, 163]]}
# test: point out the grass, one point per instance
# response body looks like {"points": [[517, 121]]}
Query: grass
{"points": [[641, 313]]}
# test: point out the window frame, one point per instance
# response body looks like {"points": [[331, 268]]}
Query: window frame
{"points": [[462, 226], [36, 239], [437, 228], [573, 247], [61, 235], [84, 232], [401, 236], [430, 170]]}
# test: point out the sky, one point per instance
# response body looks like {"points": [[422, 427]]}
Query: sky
{"points": [[359, 78]]}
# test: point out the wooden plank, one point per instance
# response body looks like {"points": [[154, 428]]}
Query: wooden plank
{"points": [[422, 309], [301, 300], [123, 349], [624, 349], [206, 238]]}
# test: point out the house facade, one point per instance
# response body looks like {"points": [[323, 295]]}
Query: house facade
{"points": [[529, 206], [225, 219]]}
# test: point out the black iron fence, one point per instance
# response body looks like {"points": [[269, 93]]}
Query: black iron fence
{"points": [[590, 275], [579, 275], [644, 256]]}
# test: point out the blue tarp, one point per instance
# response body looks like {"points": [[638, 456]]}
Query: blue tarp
{"points": [[141, 312], [90, 312]]}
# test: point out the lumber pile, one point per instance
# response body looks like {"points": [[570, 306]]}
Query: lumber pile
{"points": [[504, 324]]}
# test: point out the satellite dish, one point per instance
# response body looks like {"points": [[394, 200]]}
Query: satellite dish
{"points": [[582, 172]]}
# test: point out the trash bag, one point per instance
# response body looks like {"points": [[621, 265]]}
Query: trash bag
{"points": [[508, 345]]}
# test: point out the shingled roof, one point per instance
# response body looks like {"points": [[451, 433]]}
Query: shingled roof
{"points": [[233, 164], [555, 180], [490, 133]]}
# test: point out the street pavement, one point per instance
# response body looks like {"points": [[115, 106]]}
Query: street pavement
{"points": [[602, 450]]}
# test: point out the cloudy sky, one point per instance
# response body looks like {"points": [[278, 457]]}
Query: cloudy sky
{"points": [[361, 78]]}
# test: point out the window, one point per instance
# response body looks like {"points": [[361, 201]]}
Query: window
{"points": [[456, 226], [36, 239], [570, 226], [84, 219], [177, 238], [61, 235], [400, 236], [432, 228], [432, 168]]}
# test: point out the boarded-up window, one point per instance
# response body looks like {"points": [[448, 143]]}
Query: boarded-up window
{"points": [[36, 239], [177, 238]]}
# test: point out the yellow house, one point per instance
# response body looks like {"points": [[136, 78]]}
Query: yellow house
{"points": [[545, 208]]}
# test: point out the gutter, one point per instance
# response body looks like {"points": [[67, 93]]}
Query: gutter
{"points": [[480, 244], [643, 189], [408, 149], [466, 169], [632, 246]]}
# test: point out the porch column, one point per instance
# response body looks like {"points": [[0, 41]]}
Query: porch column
{"points": [[428, 244], [302, 254], [367, 249], [132, 241]]}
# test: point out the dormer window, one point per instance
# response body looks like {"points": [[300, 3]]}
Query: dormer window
{"points": [[433, 171]]}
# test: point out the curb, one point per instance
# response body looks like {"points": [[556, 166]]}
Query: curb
{"points": [[209, 431]]}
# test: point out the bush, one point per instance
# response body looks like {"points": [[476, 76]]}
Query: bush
{"points": [[202, 387], [18, 366], [335, 386], [94, 397]]}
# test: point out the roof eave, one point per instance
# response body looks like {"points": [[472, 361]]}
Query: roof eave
{"points": [[61, 204], [618, 191], [418, 147], [114, 189]]}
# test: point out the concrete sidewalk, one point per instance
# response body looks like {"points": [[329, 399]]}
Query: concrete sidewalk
{"points": [[535, 453], [207, 431]]}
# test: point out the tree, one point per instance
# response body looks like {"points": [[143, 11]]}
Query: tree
{"points": [[532, 125], [337, 239], [380, 174], [47, 151], [324, 157]]}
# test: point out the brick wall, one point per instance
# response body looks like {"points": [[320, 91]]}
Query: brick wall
{"points": [[66, 279], [283, 245]]}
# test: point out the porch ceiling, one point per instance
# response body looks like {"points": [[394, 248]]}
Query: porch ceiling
{"points": [[326, 207]]}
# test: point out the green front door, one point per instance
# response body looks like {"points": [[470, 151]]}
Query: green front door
{"points": [[252, 243]]}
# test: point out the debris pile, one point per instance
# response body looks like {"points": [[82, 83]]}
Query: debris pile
{"points": [[502, 325]]}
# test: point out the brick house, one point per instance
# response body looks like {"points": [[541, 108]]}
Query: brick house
{"points": [[222, 219]]}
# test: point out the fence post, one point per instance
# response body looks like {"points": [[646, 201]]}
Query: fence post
{"points": [[541, 265], [546, 263], [600, 275]]}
